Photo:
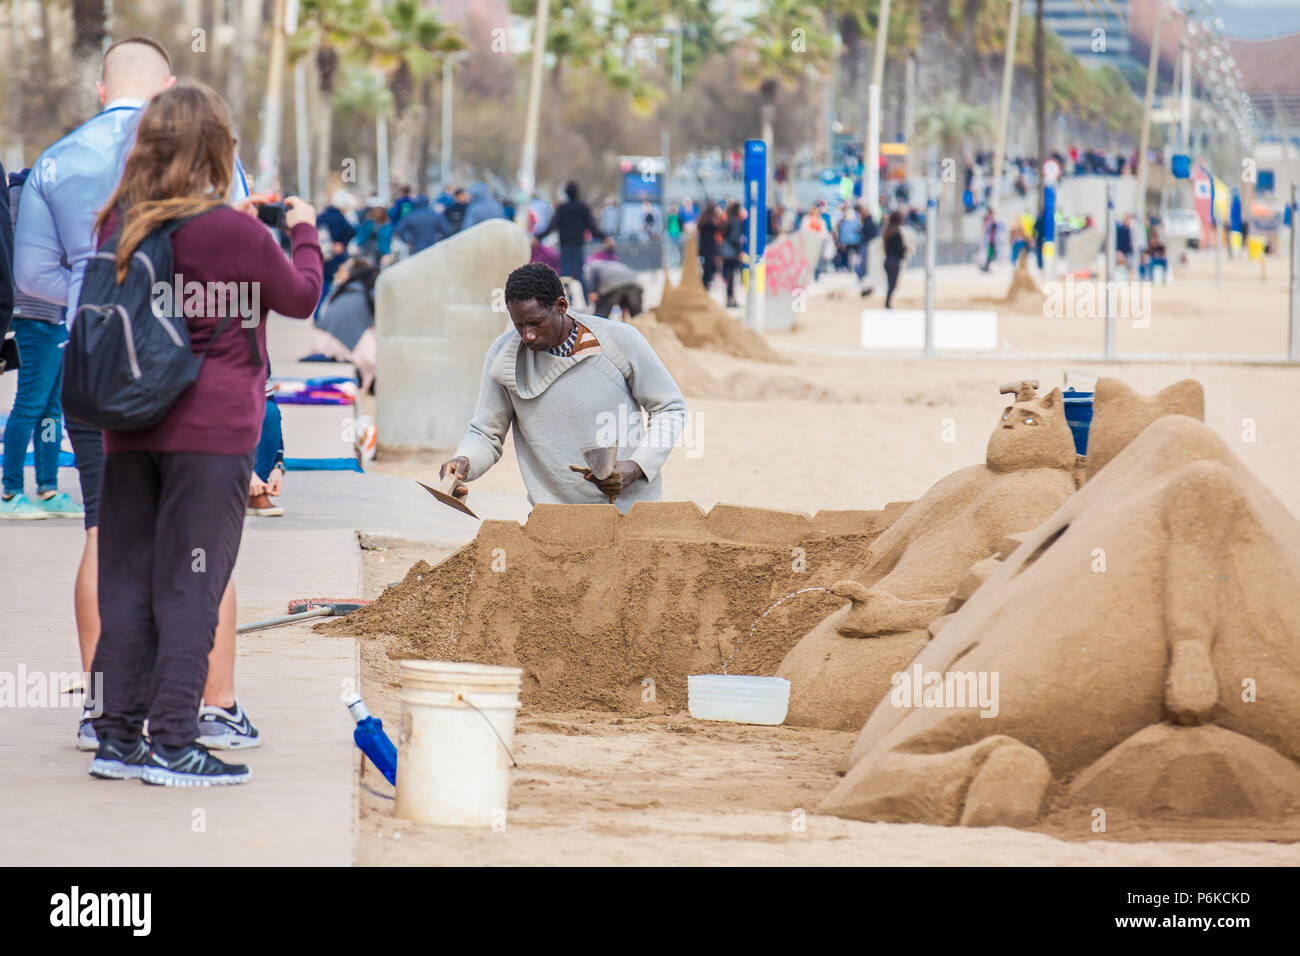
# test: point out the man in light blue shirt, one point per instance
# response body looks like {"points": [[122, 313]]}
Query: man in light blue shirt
{"points": [[71, 181]]}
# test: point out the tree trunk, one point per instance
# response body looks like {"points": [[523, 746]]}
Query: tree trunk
{"points": [[1040, 94], [404, 153], [324, 147], [970, 15], [14, 154], [87, 51], [426, 102]]}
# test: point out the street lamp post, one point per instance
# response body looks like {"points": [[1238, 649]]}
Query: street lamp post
{"points": [[1153, 67], [1004, 106], [871, 155], [528, 167]]}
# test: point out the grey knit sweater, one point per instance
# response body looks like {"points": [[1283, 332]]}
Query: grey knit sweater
{"points": [[560, 405]]}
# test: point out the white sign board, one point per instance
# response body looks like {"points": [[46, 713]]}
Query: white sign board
{"points": [[954, 330]]}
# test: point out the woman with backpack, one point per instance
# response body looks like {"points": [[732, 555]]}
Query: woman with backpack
{"points": [[174, 492]]}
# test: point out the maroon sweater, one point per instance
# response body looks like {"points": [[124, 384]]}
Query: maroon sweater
{"points": [[221, 413]]}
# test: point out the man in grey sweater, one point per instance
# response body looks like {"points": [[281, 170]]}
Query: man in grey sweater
{"points": [[566, 382]]}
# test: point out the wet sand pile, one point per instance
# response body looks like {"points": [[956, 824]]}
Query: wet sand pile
{"points": [[595, 605], [1131, 635], [700, 322]]}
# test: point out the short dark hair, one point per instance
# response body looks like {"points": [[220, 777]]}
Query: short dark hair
{"points": [[143, 41], [571, 190], [535, 282]]}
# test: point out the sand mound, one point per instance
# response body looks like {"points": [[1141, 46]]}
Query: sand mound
{"points": [[703, 324], [612, 612], [691, 377], [1161, 594], [697, 382]]}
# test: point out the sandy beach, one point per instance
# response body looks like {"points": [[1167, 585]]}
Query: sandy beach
{"points": [[840, 429]]}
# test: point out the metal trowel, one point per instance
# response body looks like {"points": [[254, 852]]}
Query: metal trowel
{"points": [[601, 461], [444, 494]]}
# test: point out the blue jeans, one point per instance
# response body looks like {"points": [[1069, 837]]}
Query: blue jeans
{"points": [[270, 446], [38, 405]]}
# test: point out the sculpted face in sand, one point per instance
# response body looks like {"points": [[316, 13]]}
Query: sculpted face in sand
{"points": [[1130, 633], [919, 561]]}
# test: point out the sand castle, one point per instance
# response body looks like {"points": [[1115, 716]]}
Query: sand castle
{"points": [[1131, 634], [914, 568], [701, 323], [592, 603]]}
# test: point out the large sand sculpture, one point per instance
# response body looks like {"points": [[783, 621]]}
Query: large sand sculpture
{"points": [[842, 668], [1143, 646], [592, 603], [701, 323]]}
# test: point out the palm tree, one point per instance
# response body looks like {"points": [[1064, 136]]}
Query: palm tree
{"points": [[332, 30], [787, 42], [416, 42], [948, 123], [572, 38]]}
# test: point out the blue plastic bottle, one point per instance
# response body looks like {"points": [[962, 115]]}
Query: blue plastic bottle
{"points": [[372, 740]]}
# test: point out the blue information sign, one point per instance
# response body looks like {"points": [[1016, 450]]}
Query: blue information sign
{"points": [[756, 172]]}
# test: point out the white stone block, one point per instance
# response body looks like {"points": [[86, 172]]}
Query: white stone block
{"points": [[435, 320]]}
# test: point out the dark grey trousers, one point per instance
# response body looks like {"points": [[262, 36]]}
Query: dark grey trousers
{"points": [[169, 530]]}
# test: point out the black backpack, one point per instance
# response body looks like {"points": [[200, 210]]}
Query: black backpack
{"points": [[127, 362]]}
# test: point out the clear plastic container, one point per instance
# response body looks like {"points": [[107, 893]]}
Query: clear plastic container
{"points": [[738, 698]]}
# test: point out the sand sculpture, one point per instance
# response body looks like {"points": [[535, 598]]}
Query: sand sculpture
{"points": [[1024, 285], [1144, 641], [436, 313], [1119, 414], [842, 668], [701, 323], [593, 603]]}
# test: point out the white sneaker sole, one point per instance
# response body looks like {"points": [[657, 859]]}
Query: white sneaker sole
{"points": [[16, 517], [169, 778], [115, 770], [232, 742]]}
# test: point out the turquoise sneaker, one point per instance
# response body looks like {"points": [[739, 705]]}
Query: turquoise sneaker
{"points": [[59, 505], [20, 507]]}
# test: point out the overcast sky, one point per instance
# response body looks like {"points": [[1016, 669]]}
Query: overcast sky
{"points": [[1258, 18]]}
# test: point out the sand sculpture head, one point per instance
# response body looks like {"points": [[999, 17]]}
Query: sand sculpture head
{"points": [[1032, 434], [1119, 414]]}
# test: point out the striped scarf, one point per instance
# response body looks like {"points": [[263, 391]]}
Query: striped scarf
{"points": [[565, 348]]}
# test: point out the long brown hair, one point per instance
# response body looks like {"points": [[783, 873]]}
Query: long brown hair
{"points": [[895, 223], [181, 165]]}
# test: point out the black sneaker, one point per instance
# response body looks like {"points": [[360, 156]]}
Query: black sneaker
{"points": [[221, 729], [120, 759], [190, 766]]}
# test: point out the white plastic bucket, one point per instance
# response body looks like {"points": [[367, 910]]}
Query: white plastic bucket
{"points": [[738, 698], [453, 760]]}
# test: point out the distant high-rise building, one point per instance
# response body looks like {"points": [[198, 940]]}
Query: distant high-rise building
{"points": [[1096, 32]]}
